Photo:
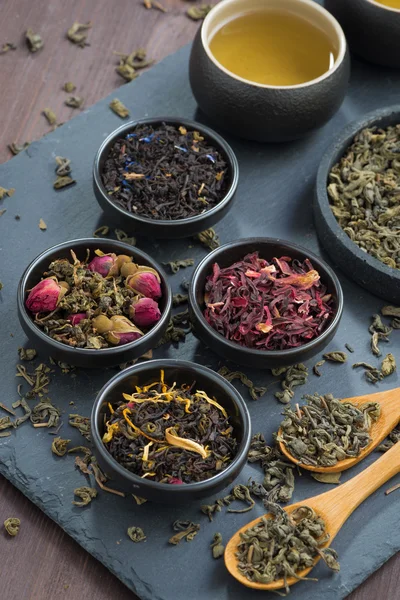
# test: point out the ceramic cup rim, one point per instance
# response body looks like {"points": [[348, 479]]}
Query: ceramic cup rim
{"points": [[213, 136], [312, 5], [384, 7], [71, 244]]}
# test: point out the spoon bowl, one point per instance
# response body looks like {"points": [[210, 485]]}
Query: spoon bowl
{"points": [[334, 507], [390, 415]]}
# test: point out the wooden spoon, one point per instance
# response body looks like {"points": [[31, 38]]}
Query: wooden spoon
{"points": [[389, 418], [334, 507]]}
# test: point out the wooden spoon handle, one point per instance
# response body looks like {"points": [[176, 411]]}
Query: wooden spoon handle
{"points": [[343, 500]]}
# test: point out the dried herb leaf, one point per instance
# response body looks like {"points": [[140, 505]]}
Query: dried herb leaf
{"points": [[50, 116], [139, 500], [178, 299], [86, 494], [45, 414], [7, 47], [217, 546], [326, 477], [78, 33], [199, 12], [294, 376], [388, 365], [69, 87], [12, 525], [33, 40], [42, 225], [74, 101], [82, 424], [208, 238], [101, 231], [17, 148], [27, 353], [185, 529], [336, 356], [175, 265], [136, 534], [4, 192], [59, 446], [256, 392], [153, 4], [316, 367], [119, 108], [130, 63], [122, 236], [62, 182]]}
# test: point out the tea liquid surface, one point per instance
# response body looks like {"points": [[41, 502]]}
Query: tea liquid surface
{"points": [[273, 48], [391, 3]]}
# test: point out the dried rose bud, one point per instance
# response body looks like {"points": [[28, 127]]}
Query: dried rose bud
{"points": [[102, 324], [123, 331], [145, 283], [45, 296], [128, 268], [144, 312], [123, 259], [77, 318], [105, 265], [175, 480]]}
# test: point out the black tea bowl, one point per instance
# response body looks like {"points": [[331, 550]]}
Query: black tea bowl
{"points": [[181, 372], [167, 229], [267, 248], [372, 29], [261, 112], [87, 357], [361, 267]]}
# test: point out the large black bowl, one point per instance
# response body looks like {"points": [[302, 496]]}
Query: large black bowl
{"points": [[372, 29], [178, 228], [268, 248], [85, 357], [364, 269], [267, 113], [181, 372]]}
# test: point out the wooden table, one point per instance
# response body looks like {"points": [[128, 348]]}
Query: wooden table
{"points": [[43, 563]]}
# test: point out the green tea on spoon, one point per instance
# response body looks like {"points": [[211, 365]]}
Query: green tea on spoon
{"points": [[273, 48]]}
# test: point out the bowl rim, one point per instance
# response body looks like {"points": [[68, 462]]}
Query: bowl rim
{"points": [[384, 6], [244, 416], [116, 244], [215, 137], [284, 354], [313, 5], [336, 150]]}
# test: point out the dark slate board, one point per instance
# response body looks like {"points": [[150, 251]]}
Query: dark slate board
{"points": [[274, 198]]}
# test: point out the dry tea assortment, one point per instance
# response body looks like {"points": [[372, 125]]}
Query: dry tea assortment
{"points": [[102, 301], [165, 172], [364, 190], [267, 305], [170, 434]]}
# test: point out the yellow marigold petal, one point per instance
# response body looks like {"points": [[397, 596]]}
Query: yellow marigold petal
{"points": [[175, 440], [204, 396], [146, 449]]}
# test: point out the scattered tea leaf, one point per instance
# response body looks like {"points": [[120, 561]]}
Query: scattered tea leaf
{"points": [[392, 489], [256, 392], [59, 446], [122, 236], [4, 192], [337, 356], [119, 108], [50, 116], [4, 407], [27, 353], [27, 411], [139, 500], [12, 525], [74, 101], [45, 414], [101, 231], [327, 477], [178, 299], [208, 238], [294, 376], [69, 87], [217, 546], [175, 265], [78, 33], [154, 4], [33, 40], [136, 534], [86, 494], [81, 423], [316, 367], [130, 63], [199, 12], [2, 211], [372, 374], [390, 311], [42, 225], [62, 182], [63, 166], [185, 529], [7, 47], [349, 348], [17, 148], [388, 365]]}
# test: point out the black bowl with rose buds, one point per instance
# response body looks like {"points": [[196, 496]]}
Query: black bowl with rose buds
{"points": [[170, 431], [165, 177], [94, 302], [265, 302]]}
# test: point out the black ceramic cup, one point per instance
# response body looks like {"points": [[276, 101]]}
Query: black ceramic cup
{"points": [[179, 228], [181, 372], [267, 113], [364, 269], [85, 357], [268, 248], [372, 29]]}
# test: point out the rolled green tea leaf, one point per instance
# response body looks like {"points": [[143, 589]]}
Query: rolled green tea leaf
{"points": [[86, 494], [12, 525], [136, 534]]}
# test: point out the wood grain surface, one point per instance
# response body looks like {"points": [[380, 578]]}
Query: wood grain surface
{"points": [[42, 562]]}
